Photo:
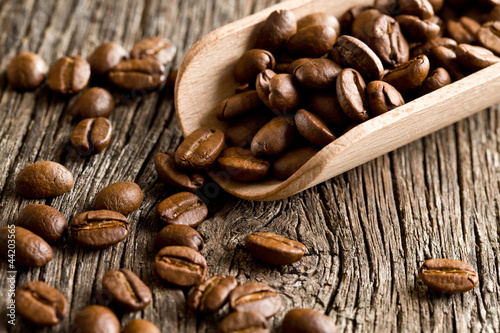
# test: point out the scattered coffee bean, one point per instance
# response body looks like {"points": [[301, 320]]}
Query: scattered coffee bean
{"points": [[251, 63], [273, 249], [182, 208], [319, 18], [313, 128], [99, 229], [255, 296], [317, 73], [475, 57], [105, 57], [426, 48], [238, 105], [181, 235], [306, 321], [95, 102], [180, 265], [448, 276], [421, 8], [289, 163], [45, 221], [275, 137], [27, 71], [244, 321], [284, 94], [489, 36], [43, 179], [382, 97], [211, 295], [69, 75], [241, 165], [141, 326], [91, 135], [327, 107], [121, 197], [296, 63], [30, 250], [169, 173], [276, 31], [437, 79], [262, 86], [155, 48], [126, 289], [311, 41], [415, 29], [347, 19], [445, 57], [351, 93], [137, 74], [409, 75], [96, 318], [200, 149]]}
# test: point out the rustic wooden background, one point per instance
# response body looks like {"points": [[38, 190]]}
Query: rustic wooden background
{"points": [[367, 231]]}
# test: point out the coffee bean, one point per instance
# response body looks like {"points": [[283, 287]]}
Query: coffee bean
{"points": [[311, 41], [475, 57], [383, 97], [180, 265], [126, 289], [437, 79], [69, 75], [30, 250], [155, 48], [489, 36], [255, 296], [275, 137], [319, 18], [137, 74], [409, 75], [273, 249], [211, 295], [262, 86], [351, 93], [347, 19], [447, 58], [95, 102], [240, 133], [200, 149], [437, 5], [421, 8], [45, 221], [43, 179], [96, 318], [307, 320], [244, 321], [426, 48], [464, 30], [418, 30], [296, 63], [276, 30], [251, 63], [284, 94], [99, 229], [313, 128], [238, 105], [289, 163], [105, 57], [241, 165], [182, 208], [494, 14], [327, 107], [27, 71], [178, 234], [448, 276], [169, 173], [141, 326], [121, 197], [40, 303], [317, 73], [91, 135]]}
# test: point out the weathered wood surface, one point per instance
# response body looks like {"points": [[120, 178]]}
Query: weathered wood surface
{"points": [[367, 231]]}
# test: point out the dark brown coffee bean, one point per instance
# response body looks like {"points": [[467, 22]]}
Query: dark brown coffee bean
{"points": [[26, 248], [105, 57], [182, 208], [276, 31], [240, 133], [43, 179], [69, 75], [418, 30], [96, 318], [273, 249], [383, 97], [489, 36], [282, 67], [262, 86], [40, 303], [244, 321], [421, 8], [327, 107], [211, 295], [244, 87], [200, 149], [409, 75], [45, 221], [351, 93], [319, 18], [475, 57], [347, 19], [141, 326], [155, 48], [312, 41], [91, 135], [296, 63], [437, 79], [307, 320], [238, 105], [99, 229], [95, 102], [494, 14], [427, 47], [436, 5], [353, 53], [448, 276], [178, 234], [275, 137], [180, 265], [27, 71], [241, 165], [169, 173], [121, 197], [317, 73], [447, 58], [126, 290], [284, 96], [464, 30], [255, 296], [137, 74], [313, 128], [289, 163], [251, 63]]}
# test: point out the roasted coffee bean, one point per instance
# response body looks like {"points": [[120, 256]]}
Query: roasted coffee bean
{"points": [[96, 318], [241, 165], [276, 31], [311, 41], [447, 58], [240, 133], [437, 79], [105, 57], [169, 173], [284, 94], [182, 208], [255, 296], [282, 67], [289, 163], [180, 265], [418, 30], [494, 14], [351, 93], [436, 5], [43, 179], [137, 74], [427, 47], [45, 221], [91, 135], [200, 149], [296, 63], [421, 8], [251, 63], [409, 75], [383, 97], [121, 197], [273, 249], [306, 321], [313, 128], [238, 105], [28, 250], [319, 18], [126, 290], [40, 303], [244, 321], [275, 137], [178, 234], [347, 19], [69, 75], [464, 30], [475, 57], [155, 48], [244, 87], [317, 73], [95, 102], [353, 53], [141, 326], [448, 276], [211, 295], [27, 71], [327, 107], [262, 86], [99, 228], [489, 36]]}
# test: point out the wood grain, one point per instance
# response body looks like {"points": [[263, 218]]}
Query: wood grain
{"points": [[367, 231]]}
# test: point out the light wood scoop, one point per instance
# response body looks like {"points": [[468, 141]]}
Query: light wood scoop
{"points": [[205, 78]]}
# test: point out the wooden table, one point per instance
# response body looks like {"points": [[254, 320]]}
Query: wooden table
{"points": [[367, 231]]}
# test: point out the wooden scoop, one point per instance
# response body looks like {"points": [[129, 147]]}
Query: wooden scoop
{"points": [[206, 77]]}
